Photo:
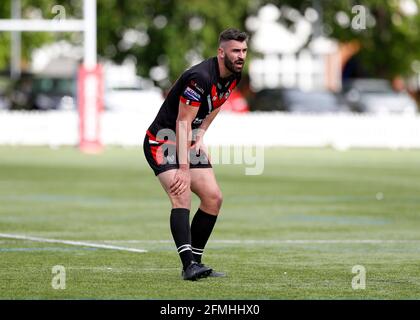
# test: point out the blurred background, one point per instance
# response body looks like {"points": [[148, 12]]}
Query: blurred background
{"points": [[319, 73]]}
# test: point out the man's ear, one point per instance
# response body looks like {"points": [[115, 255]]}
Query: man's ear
{"points": [[221, 52]]}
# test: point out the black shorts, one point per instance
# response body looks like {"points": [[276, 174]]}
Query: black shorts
{"points": [[161, 155]]}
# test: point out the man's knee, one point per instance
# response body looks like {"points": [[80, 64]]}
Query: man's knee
{"points": [[214, 199], [181, 201], [219, 199]]}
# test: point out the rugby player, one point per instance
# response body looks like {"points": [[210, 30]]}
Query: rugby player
{"points": [[174, 149]]}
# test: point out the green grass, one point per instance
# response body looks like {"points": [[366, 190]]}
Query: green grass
{"points": [[303, 194]]}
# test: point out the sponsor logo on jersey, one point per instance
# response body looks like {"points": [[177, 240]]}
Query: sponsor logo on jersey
{"points": [[195, 85], [191, 94]]}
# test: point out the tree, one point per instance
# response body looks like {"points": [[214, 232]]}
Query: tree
{"points": [[175, 33], [166, 32], [386, 30]]}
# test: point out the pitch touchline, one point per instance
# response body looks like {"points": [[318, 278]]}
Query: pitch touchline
{"points": [[87, 243], [306, 241], [69, 242]]}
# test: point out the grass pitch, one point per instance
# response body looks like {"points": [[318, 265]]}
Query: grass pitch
{"points": [[294, 232]]}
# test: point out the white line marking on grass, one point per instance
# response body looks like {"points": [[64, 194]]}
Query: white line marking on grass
{"points": [[113, 269], [306, 241], [69, 242]]}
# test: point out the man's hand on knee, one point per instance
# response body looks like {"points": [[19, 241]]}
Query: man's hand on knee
{"points": [[181, 182]]}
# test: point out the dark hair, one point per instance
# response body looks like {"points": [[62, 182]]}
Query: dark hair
{"points": [[232, 34]]}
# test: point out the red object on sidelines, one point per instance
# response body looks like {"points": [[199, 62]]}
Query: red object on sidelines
{"points": [[236, 103], [90, 90]]}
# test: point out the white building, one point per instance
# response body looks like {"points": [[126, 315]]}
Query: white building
{"points": [[291, 56]]}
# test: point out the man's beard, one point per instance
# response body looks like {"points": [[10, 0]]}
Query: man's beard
{"points": [[231, 65]]}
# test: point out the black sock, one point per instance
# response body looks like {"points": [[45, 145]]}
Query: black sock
{"points": [[201, 228], [180, 228]]}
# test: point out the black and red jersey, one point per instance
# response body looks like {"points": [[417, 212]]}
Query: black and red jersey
{"points": [[200, 86]]}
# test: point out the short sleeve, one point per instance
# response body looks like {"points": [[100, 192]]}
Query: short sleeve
{"points": [[193, 92]]}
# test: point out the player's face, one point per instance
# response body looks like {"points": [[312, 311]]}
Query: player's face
{"points": [[234, 55]]}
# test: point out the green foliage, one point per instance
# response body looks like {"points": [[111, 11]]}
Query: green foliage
{"points": [[389, 45], [161, 31], [171, 43]]}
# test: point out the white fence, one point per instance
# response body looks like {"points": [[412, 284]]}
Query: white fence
{"points": [[255, 129]]}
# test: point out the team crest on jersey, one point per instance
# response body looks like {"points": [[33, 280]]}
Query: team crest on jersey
{"points": [[191, 94]]}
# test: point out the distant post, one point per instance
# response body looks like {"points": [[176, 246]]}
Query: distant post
{"points": [[90, 86]]}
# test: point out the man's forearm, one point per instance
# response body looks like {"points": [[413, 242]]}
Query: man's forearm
{"points": [[199, 133], [206, 123], [183, 130]]}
